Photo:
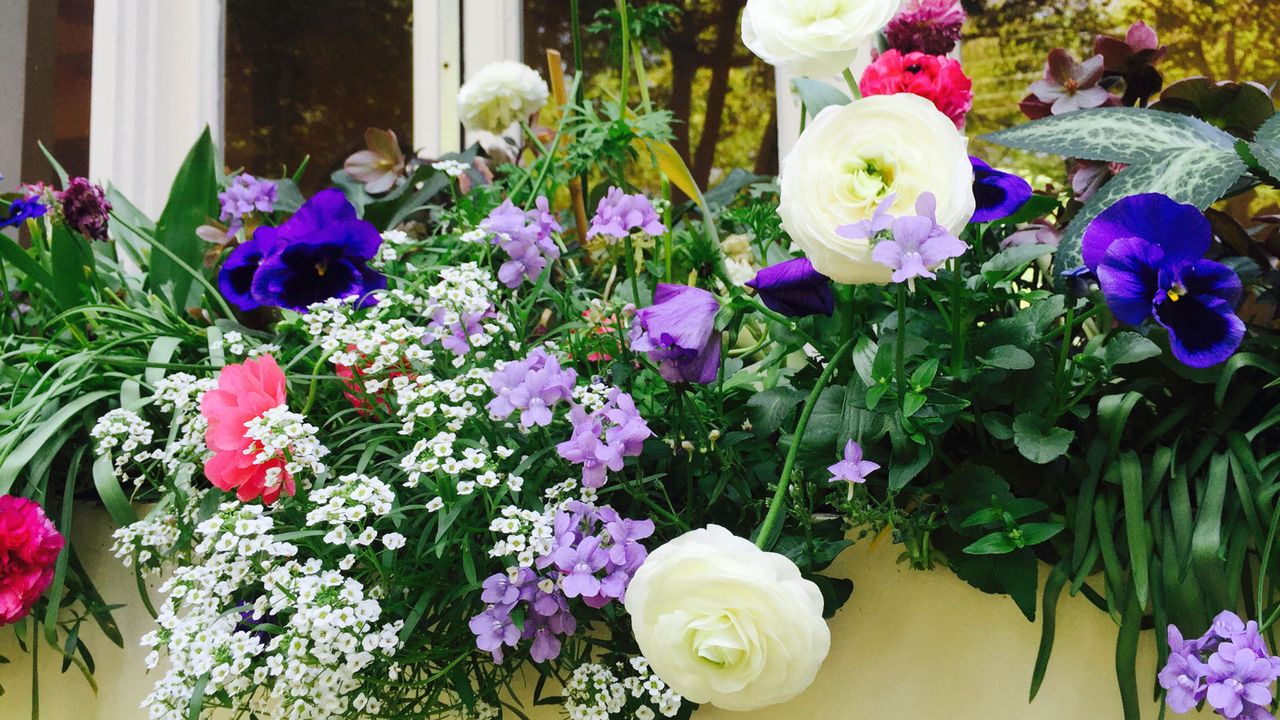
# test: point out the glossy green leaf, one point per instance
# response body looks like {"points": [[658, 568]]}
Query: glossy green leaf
{"points": [[192, 201], [817, 95], [1038, 441], [1048, 624], [1135, 527]]}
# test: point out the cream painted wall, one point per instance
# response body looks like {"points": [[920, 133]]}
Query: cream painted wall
{"points": [[908, 646]]}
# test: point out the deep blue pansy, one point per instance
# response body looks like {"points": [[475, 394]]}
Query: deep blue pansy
{"points": [[21, 210], [322, 252], [1148, 253], [997, 194], [794, 289]]}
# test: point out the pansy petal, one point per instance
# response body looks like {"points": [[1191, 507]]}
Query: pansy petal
{"points": [[1203, 330], [1128, 276], [1181, 231], [1206, 277]]}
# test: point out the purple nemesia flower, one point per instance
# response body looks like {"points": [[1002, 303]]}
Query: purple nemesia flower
{"points": [[626, 534], [546, 645], [494, 629], [998, 194], [578, 566], [678, 332], [321, 252], [624, 432], [794, 289], [22, 210], [1183, 674], [246, 194], [879, 222], [533, 386], [1147, 251], [455, 335], [927, 26], [852, 469], [505, 590], [918, 244], [618, 214], [1239, 681], [526, 239], [1230, 666], [85, 208]]}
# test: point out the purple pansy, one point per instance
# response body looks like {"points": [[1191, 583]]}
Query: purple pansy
{"points": [[526, 238], [533, 386], [678, 332], [246, 194], [998, 194], [321, 252], [918, 244], [22, 210], [1147, 251], [852, 468], [619, 214], [794, 289]]}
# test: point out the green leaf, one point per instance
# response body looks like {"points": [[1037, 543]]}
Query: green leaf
{"points": [[72, 265], [1135, 524], [1127, 656], [1038, 532], [113, 496], [907, 461], [13, 253], [912, 402], [1266, 146], [57, 167], [1048, 623], [1129, 347], [996, 543], [817, 95], [923, 376], [1038, 441], [1126, 135], [40, 435], [768, 410], [1008, 357], [192, 200]]}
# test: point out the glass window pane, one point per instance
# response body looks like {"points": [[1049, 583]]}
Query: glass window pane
{"points": [[309, 76]]}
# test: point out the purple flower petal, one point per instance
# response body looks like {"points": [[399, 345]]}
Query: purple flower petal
{"points": [[1181, 231], [794, 289]]}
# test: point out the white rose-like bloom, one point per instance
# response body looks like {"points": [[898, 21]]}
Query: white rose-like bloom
{"points": [[852, 157], [499, 94], [725, 623], [815, 38]]}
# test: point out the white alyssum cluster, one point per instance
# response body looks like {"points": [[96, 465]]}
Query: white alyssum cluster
{"points": [[280, 433], [595, 692], [150, 541], [121, 435], [500, 94], [452, 168], [370, 340], [180, 394], [462, 302], [433, 401], [350, 507], [592, 396], [394, 245], [525, 534]]}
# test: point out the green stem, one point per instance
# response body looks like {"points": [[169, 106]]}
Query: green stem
{"points": [[853, 84], [630, 261], [35, 670], [1063, 352], [315, 376], [666, 237], [626, 56], [900, 348], [764, 538]]}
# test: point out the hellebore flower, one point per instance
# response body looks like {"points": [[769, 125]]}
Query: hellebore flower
{"points": [[1067, 86], [1133, 59], [1147, 251], [678, 333], [794, 289], [22, 210], [918, 245], [618, 214], [85, 208], [938, 79], [928, 26], [322, 252], [379, 167], [998, 194]]}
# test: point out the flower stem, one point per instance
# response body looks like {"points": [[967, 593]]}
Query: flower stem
{"points": [[1058, 371], [900, 348], [626, 55], [630, 261], [853, 84], [764, 539]]}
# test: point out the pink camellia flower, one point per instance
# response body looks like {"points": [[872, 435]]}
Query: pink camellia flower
{"points": [[245, 391], [29, 547], [938, 79]]}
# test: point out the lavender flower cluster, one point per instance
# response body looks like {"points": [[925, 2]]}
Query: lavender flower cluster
{"points": [[594, 554], [244, 195], [533, 386], [1230, 666], [603, 437], [620, 214], [526, 239]]}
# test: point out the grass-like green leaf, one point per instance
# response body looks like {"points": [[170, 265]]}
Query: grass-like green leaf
{"points": [[192, 201]]}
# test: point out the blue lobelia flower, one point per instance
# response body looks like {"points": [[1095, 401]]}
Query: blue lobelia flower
{"points": [[322, 252], [1148, 253], [21, 210], [998, 194], [794, 289]]}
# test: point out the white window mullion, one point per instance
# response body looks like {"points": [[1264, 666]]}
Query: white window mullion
{"points": [[492, 30], [157, 82], [437, 72]]}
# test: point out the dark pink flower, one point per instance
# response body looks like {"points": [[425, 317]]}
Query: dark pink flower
{"points": [[29, 547], [928, 26], [938, 79], [85, 208]]}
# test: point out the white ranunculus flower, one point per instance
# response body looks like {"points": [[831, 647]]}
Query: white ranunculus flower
{"points": [[851, 158], [815, 38], [500, 94], [725, 623]]}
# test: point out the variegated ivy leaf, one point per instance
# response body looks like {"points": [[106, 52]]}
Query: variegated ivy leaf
{"points": [[1196, 177], [1180, 156], [1119, 134], [1266, 146]]}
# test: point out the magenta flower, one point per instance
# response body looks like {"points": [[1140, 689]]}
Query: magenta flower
{"points": [[618, 214], [918, 244], [928, 26], [85, 208], [852, 469]]}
